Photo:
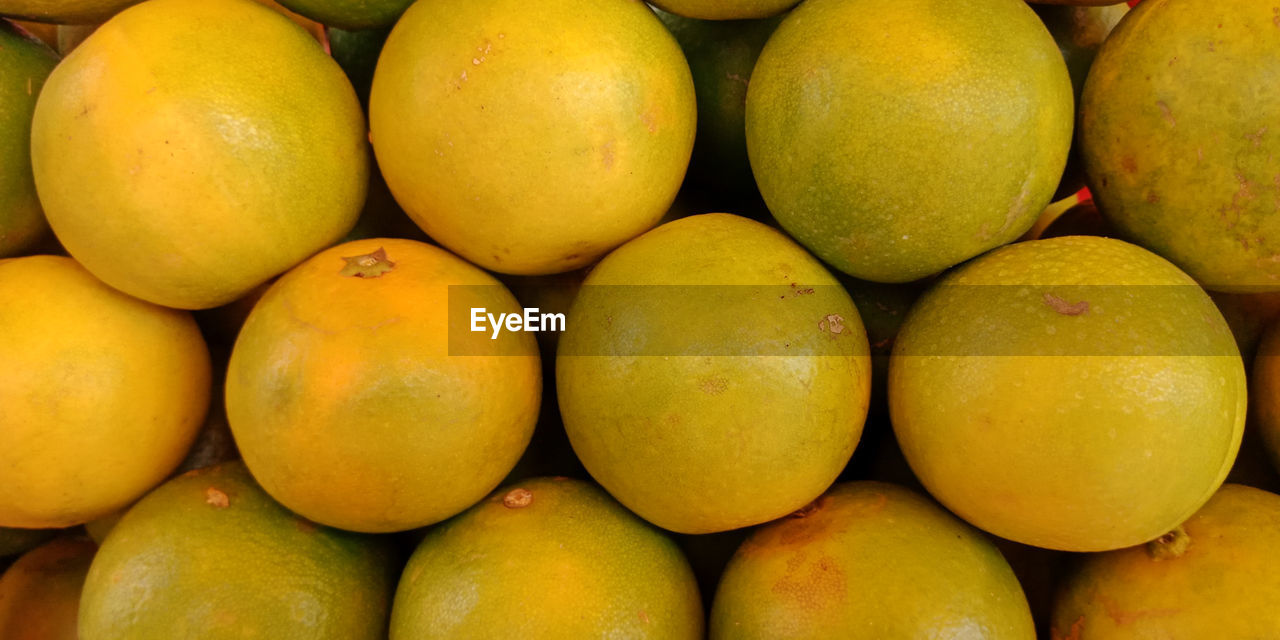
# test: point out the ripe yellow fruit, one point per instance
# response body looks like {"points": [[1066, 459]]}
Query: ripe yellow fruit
{"points": [[531, 139], [869, 561], [896, 138], [189, 150], [1075, 393], [208, 555], [359, 397], [713, 375], [102, 393], [1217, 576], [547, 559], [40, 593]]}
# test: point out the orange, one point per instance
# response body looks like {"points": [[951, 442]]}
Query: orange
{"points": [[547, 559], [869, 561], [358, 401], [24, 64], [1216, 576], [208, 555], [40, 593], [531, 138], [102, 394], [189, 150], [1076, 393], [713, 375]]}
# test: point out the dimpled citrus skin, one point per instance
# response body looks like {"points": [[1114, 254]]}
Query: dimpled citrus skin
{"points": [[869, 561], [189, 150], [545, 559], [40, 593], [1224, 585], [1180, 127], [350, 14], [24, 64], [532, 137], [1090, 397], [208, 555], [63, 11], [347, 405], [719, 394], [100, 394], [896, 138], [725, 9]]}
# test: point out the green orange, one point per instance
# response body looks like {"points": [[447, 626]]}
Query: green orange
{"points": [[209, 555], [545, 559], [713, 375], [896, 138], [24, 64], [1179, 122]]}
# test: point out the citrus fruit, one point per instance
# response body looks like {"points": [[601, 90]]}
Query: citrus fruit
{"points": [[1075, 393], [1214, 577], [531, 145], [547, 558], [713, 375], [1180, 127], [896, 138], [102, 393], [24, 64], [40, 593], [1079, 32], [869, 560], [350, 14], [721, 55], [725, 9], [208, 555], [358, 402], [63, 11], [179, 168]]}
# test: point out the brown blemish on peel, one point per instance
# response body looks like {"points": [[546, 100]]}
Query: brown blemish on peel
{"points": [[833, 323], [714, 385], [1065, 308], [371, 265], [644, 617], [1074, 633], [517, 499], [216, 498], [1167, 113]]}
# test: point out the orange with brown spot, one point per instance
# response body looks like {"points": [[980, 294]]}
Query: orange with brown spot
{"points": [[1218, 576], [869, 561]]}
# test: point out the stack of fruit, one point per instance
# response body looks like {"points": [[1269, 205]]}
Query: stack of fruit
{"points": [[567, 319]]}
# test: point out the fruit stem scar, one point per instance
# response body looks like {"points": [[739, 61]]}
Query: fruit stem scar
{"points": [[517, 499], [212, 496], [1066, 308], [369, 265], [1170, 545]]}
